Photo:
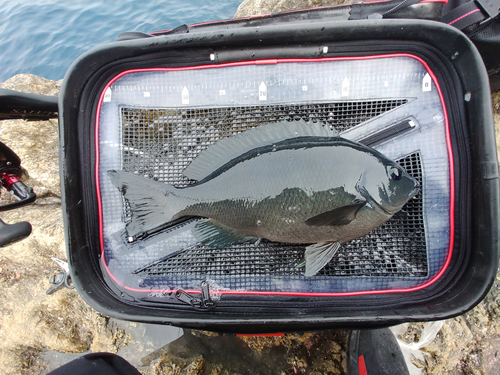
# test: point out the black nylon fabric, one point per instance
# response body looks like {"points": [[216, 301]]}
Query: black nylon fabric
{"points": [[483, 30], [464, 16], [259, 313], [472, 17], [97, 364]]}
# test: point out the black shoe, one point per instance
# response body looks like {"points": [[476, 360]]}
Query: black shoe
{"points": [[375, 352]]}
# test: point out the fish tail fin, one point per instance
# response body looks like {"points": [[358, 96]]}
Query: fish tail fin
{"points": [[152, 203]]}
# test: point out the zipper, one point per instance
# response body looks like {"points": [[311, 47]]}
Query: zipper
{"points": [[205, 302]]}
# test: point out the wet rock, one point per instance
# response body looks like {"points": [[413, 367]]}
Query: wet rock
{"points": [[200, 333], [464, 344], [250, 8], [218, 370], [310, 352], [495, 98], [32, 84], [196, 367], [164, 367], [35, 142], [261, 344]]}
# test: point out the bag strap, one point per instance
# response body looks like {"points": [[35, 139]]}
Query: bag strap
{"points": [[471, 13]]}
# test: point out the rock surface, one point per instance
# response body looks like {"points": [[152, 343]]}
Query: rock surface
{"points": [[250, 8]]}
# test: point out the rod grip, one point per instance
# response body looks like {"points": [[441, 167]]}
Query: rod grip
{"points": [[10, 233]]}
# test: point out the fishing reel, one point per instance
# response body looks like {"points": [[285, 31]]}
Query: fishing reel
{"points": [[10, 177]]}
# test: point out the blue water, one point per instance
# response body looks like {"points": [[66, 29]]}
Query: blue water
{"points": [[45, 37]]}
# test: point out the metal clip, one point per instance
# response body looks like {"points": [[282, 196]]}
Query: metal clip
{"points": [[61, 279]]}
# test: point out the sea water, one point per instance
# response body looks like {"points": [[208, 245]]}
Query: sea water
{"points": [[45, 37]]}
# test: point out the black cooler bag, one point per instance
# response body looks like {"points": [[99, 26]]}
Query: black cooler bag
{"points": [[416, 91]]}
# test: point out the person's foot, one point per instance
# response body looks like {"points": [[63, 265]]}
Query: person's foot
{"points": [[375, 352]]}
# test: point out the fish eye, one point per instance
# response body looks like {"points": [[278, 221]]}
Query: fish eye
{"points": [[395, 173]]}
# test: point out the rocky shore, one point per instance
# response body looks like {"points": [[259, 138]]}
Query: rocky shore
{"points": [[40, 331]]}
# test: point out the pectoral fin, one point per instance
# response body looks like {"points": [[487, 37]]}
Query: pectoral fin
{"points": [[218, 236], [317, 256], [338, 216]]}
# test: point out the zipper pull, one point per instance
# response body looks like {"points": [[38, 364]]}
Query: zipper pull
{"points": [[204, 303], [187, 298]]}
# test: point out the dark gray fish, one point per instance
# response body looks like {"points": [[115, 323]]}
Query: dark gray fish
{"points": [[292, 182]]}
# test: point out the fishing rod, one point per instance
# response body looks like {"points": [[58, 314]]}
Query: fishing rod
{"points": [[18, 105], [10, 177]]}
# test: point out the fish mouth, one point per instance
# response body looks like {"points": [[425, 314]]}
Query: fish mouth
{"points": [[415, 191]]}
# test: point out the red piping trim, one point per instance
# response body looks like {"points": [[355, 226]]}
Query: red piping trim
{"points": [[274, 61], [465, 15]]}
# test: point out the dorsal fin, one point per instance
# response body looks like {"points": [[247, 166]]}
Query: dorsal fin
{"points": [[227, 149]]}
